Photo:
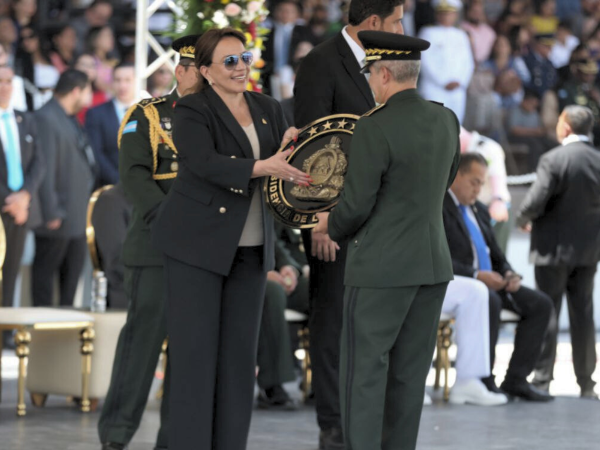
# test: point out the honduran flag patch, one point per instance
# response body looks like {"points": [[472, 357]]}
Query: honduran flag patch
{"points": [[130, 127]]}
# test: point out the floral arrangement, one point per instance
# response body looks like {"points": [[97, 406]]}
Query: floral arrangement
{"points": [[198, 16]]}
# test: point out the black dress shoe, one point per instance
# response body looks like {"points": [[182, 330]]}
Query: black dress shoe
{"points": [[589, 394], [276, 398], [331, 439], [113, 446], [490, 384], [525, 391]]}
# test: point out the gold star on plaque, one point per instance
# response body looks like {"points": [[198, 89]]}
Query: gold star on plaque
{"points": [[327, 126], [342, 124], [313, 131]]}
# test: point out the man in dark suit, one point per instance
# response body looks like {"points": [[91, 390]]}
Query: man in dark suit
{"points": [[476, 254], [21, 172], [285, 36], [403, 157], [564, 206], [329, 82], [60, 243], [102, 124]]}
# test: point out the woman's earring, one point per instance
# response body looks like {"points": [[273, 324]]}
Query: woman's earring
{"points": [[210, 83]]}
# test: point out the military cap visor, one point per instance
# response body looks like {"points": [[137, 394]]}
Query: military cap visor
{"points": [[587, 66], [382, 46], [546, 39], [186, 46]]}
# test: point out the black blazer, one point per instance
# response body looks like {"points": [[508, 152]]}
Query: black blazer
{"points": [[70, 171], [200, 222], [459, 239], [329, 82], [102, 127], [564, 205], [33, 166]]}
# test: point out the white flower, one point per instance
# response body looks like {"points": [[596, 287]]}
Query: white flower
{"points": [[200, 15], [220, 19]]}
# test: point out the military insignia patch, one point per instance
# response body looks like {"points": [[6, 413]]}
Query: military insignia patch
{"points": [[131, 127], [321, 151]]}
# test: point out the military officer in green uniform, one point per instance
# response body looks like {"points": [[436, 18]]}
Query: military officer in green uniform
{"points": [[147, 167], [403, 157]]}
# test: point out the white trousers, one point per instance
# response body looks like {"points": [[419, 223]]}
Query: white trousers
{"points": [[467, 300]]}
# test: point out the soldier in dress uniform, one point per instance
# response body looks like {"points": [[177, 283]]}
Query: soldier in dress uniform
{"points": [[543, 73], [147, 167], [447, 67], [403, 157]]}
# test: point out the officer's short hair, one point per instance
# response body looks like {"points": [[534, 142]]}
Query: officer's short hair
{"points": [[69, 80], [580, 118], [467, 159], [361, 10], [401, 71]]}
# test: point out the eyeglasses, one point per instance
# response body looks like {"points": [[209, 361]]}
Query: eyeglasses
{"points": [[230, 62]]}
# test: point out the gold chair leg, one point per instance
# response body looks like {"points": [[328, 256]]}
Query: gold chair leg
{"points": [[161, 391], [438, 359], [39, 400], [87, 348], [22, 340], [447, 342], [306, 363]]}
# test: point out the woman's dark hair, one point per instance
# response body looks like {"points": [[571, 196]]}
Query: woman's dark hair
{"points": [[24, 64], [90, 40], [360, 10], [205, 48]]}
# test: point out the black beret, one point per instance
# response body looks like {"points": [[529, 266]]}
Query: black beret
{"points": [[382, 46], [186, 46]]}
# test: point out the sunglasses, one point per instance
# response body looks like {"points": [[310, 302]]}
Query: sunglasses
{"points": [[230, 62]]}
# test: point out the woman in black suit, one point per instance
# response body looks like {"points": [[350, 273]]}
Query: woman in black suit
{"points": [[218, 240]]}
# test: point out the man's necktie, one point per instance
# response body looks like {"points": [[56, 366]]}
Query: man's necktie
{"points": [[13, 162], [478, 240]]}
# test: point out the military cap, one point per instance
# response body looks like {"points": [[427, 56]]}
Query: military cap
{"points": [[186, 46], [447, 5], [382, 46], [587, 66]]}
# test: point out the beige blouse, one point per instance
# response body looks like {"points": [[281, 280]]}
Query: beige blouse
{"points": [[252, 235]]}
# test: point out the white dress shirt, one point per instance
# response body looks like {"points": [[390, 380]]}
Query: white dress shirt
{"points": [[575, 138]]}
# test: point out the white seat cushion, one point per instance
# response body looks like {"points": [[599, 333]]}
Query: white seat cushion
{"points": [[509, 316], [295, 316], [32, 316]]}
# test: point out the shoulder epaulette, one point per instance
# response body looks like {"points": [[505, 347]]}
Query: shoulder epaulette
{"points": [[152, 101], [437, 103], [374, 110]]}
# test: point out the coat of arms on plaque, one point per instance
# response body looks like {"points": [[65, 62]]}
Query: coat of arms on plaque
{"points": [[322, 152]]}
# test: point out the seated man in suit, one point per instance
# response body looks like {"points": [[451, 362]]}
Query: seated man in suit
{"points": [[476, 254], [286, 288], [102, 123]]}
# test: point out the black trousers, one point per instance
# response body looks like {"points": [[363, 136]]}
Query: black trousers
{"points": [[213, 323], [138, 350], [535, 309], [52, 254], [578, 283], [325, 326], [15, 244]]}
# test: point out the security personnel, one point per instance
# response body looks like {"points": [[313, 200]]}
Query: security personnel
{"points": [[403, 157], [147, 167]]}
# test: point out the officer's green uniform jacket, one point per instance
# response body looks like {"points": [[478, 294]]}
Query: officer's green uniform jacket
{"points": [[402, 153], [147, 167]]}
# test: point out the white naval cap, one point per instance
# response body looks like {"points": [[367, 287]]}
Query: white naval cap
{"points": [[447, 5]]}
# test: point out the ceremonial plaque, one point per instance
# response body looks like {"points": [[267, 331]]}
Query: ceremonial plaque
{"points": [[322, 152]]}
